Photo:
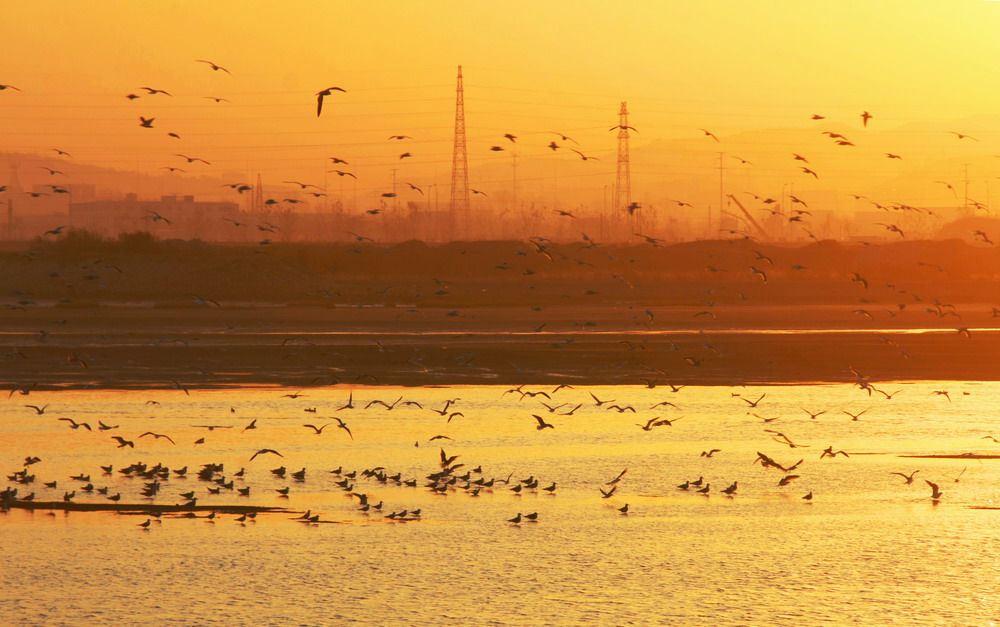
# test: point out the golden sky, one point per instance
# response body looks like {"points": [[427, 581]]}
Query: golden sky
{"points": [[753, 73]]}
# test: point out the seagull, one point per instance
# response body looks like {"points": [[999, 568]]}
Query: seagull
{"points": [[908, 478], [76, 425], [710, 453], [709, 134], [565, 138], [400, 137], [865, 116], [3, 87], [583, 156], [191, 159], [153, 92], [322, 94], [318, 430], [935, 491], [962, 136], [265, 450], [753, 403], [146, 122], [122, 442], [214, 66], [343, 425], [158, 436], [38, 410], [252, 425], [541, 423], [607, 495]]}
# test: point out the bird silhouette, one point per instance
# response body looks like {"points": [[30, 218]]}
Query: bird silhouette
{"points": [[214, 66], [323, 93], [158, 436], [935, 491], [264, 451], [541, 423]]}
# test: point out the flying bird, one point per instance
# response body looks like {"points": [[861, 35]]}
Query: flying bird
{"points": [[214, 66], [935, 491], [264, 451], [865, 116], [541, 422], [146, 122], [3, 87], [191, 159], [158, 436], [709, 134], [962, 136], [323, 94]]}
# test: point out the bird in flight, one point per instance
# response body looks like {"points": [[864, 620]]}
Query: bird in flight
{"points": [[122, 442], [191, 159], [907, 478], [709, 134], [583, 156], [318, 430], [541, 422], [962, 136], [343, 425], [214, 66], [565, 138], [158, 436], [76, 425], [753, 403], [264, 451], [323, 94], [146, 122], [865, 116], [153, 92], [935, 491], [3, 87], [400, 137]]}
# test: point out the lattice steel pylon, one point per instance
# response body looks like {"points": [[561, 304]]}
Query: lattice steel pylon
{"points": [[623, 180], [460, 161]]}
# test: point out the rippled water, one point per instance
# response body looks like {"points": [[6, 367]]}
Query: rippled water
{"points": [[868, 549]]}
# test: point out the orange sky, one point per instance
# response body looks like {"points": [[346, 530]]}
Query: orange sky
{"points": [[751, 72]]}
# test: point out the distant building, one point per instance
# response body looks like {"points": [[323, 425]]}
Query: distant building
{"points": [[169, 217]]}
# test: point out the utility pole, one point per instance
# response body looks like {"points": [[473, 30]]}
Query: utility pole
{"points": [[965, 200], [721, 193], [513, 154], [395, 206]]}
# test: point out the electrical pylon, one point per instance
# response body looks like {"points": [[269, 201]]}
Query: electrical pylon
{"points": [[460, 161], [623, 181]]}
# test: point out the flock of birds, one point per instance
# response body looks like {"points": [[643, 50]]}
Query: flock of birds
{"points": [[141, 485], [795, 212]]}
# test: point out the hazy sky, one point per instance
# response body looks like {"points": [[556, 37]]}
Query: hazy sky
{"points": [[753, 73]]}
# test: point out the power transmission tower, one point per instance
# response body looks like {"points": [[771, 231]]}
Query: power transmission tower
{"points": [[623, 181], [460, 160]]}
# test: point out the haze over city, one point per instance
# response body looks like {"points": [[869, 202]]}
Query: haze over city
{"points": [[723, 99]]}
